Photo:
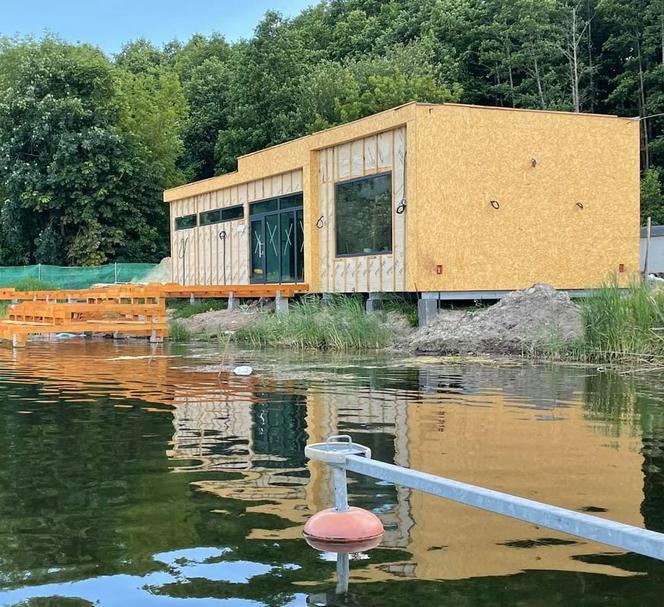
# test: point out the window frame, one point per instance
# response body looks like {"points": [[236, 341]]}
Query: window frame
{"points": [[277, 200], [222, 211], [338, 255], [188, 216]]}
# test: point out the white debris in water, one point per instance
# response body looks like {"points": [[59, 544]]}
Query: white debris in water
{"points": [[243, 370]]}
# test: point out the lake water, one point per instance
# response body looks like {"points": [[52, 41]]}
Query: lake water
{"points": [[129, 478]]}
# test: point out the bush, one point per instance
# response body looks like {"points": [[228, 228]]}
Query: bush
{"points": [[341, 325]]}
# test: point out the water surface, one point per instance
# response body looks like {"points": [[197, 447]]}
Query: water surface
{"points": [[131, 476]]}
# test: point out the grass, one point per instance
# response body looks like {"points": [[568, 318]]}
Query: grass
{"points": [[178, 332], [4, 306], [343, 324], [184, 309], [402, 305], [33, 284], [623, 323]]}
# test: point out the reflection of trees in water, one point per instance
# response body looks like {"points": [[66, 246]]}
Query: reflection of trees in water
{"points": [[71, 479]]}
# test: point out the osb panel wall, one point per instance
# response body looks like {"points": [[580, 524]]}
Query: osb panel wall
{"points": [[537, 166], [364, 273], [218, 254], [184, 244]]}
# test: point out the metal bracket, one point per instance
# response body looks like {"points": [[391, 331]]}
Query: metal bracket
{"points": [[335, 450]]}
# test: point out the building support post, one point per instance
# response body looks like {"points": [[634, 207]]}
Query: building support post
{"points": [[233, 304], [427, 310], [281, 304], [374, 303]]}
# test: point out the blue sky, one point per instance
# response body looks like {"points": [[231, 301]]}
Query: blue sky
{"points": [[110, 23]]}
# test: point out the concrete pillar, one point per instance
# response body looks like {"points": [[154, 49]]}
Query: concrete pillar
{"points": [[281, 304], [427, 310], [192, 299], [233, 304], [155, 339], [374, 303], [327, 299]]}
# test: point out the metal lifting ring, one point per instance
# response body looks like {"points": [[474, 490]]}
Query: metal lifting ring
{"points": [[222, 234], [580, 205], [401, 207], [495, 204], [321, 222]]}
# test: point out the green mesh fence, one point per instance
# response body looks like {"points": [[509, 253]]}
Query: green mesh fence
{"points": [[79, 278]]}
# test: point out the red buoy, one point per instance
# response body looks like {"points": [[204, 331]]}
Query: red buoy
{"points": [[351, 530]]}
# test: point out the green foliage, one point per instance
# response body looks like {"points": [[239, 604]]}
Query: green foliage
{"points": [[33, 284], [652, 197], [79, 189], [184, 309], [87, 144], [343, 325], [4, 308], [622, 324], [178, 332]]}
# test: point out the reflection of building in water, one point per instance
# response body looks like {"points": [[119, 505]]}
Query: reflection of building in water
{"points": [[499, 439], [520, 430]]}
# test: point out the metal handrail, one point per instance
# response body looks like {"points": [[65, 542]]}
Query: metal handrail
{"points": [[343, 455]]}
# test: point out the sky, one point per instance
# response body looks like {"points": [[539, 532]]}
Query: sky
{"points": [[110, 23]]}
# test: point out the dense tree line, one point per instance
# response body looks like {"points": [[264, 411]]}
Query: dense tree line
{"points": [[88, 142]]}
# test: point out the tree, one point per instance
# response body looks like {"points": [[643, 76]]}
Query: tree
{"points": [[264, 79], [76, 188]]}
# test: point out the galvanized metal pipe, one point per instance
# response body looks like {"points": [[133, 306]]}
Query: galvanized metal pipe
{"points": [[340, 488], [626, 537]]}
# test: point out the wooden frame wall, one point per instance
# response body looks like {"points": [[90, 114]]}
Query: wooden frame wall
{"points": [[362, 158]]}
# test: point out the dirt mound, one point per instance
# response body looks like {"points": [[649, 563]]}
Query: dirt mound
{"points": [[519, 323], [218, 322]]}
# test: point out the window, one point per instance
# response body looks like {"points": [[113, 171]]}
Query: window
{"points": [[231, 213], [220, 215], [265, 206], [210, 217], [363, 213], [291, 201], [185, 222]]}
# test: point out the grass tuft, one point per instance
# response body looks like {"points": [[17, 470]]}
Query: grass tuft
{"points": [[178, 332], [342, 324], [621, 323]]}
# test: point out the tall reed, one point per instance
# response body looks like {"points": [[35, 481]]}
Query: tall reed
{"points": [[619, 323], [342, 324]]}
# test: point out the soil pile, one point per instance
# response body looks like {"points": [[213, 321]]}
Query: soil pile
{"points": [[218, 322], [519, 323]]}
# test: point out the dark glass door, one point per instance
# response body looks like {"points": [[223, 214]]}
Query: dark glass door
{"points": [[277, 240], [258, 250]]}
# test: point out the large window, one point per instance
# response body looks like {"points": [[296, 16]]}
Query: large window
{"points": [[185, 222], [363, 213]]}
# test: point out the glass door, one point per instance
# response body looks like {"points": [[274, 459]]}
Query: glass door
{"points": [[277, 240], [258, 250]]}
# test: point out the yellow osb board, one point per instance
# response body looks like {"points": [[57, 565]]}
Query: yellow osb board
{"points": [[538, 233]]}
